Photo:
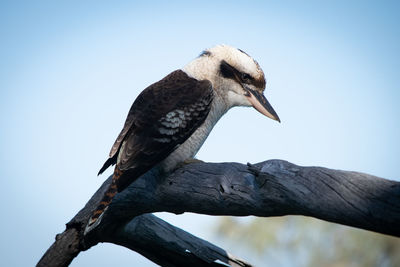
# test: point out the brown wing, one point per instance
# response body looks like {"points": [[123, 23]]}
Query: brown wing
{"points": [[162, 117]]}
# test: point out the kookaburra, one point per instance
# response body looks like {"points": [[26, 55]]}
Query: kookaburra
{"points": [[170, 120]]}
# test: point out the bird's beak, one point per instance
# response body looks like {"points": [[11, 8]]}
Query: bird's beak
{"points": [[261, 104]]}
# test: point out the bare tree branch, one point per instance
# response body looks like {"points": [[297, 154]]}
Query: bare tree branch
{"points": [[271, 188]]}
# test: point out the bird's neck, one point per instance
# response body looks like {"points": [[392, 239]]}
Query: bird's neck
{"points": [[201, 68]]}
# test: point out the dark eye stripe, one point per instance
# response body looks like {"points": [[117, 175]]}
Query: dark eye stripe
{"points": [[246, 78], [229, 72]]}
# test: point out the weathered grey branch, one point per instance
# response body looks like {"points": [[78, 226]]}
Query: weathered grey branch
{"points": [[271, 188]]}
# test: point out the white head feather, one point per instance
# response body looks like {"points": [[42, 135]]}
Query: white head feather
{"points": [[207, 67]]}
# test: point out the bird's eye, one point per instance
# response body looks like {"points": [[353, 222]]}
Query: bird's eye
{"points": [[246, 77]]}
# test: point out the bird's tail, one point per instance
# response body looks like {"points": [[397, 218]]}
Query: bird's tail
{"points": [[105, 201]]}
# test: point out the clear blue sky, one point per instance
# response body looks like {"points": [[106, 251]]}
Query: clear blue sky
{"points": [[70, 71]]}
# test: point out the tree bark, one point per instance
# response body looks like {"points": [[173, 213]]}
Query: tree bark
{"points": [[270, 188]]}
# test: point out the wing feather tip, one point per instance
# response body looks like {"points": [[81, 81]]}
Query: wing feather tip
{"points": [[108, 163]]}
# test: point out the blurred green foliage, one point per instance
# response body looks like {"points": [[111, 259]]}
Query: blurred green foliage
{"points": [[304, 241]]}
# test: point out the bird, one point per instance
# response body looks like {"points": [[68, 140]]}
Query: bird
{"points": [[170, 120]]}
